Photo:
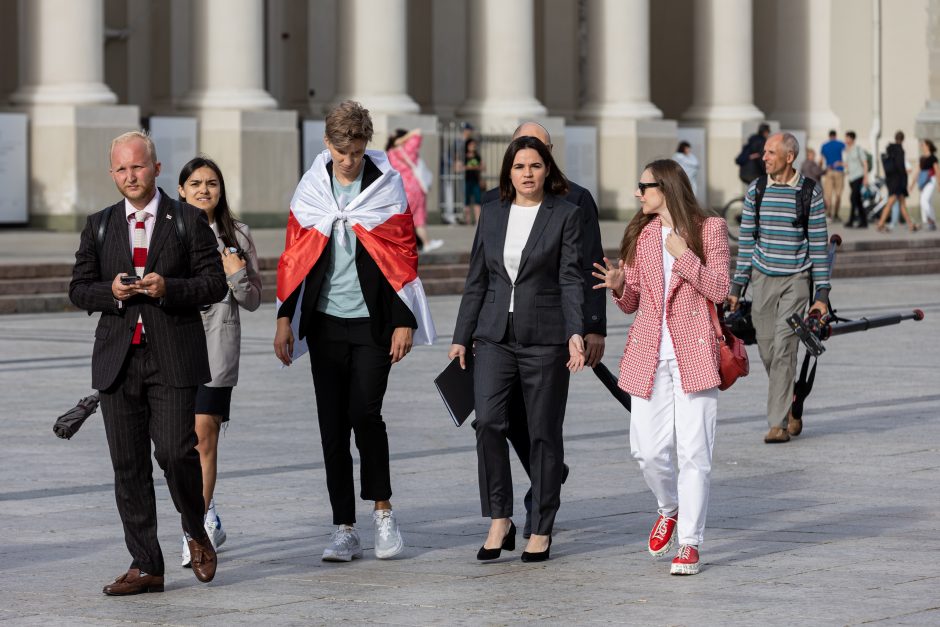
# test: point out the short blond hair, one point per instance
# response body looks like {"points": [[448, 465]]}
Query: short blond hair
{"points": [[144, 136], [347, 122]]}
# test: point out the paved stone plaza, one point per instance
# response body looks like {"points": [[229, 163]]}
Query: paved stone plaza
{"points": [[839, 526]]}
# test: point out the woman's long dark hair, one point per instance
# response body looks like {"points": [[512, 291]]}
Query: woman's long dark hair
{"points": [[555, 181], [687, 215], [222, 215]]}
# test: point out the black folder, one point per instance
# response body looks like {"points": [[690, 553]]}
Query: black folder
{"points": [[455, 386]]}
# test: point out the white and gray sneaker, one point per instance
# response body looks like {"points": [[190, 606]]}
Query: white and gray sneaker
{"points": [[388, 541], [186, 558], [344, 545], [215, 531]]}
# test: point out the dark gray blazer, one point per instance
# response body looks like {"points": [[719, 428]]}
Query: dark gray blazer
{"points": [[595, 301], [193, 276], [549, 286]]}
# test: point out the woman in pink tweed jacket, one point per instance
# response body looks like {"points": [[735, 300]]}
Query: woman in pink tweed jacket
{"points": [[671, 253]]}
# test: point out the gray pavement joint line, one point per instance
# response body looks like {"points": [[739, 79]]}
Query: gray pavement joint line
{"points": [[273, 470]]}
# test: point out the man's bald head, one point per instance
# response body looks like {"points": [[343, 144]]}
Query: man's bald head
{"points": [[533, 129]]}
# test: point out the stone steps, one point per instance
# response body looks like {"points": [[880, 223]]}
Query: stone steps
{"points": [[43, 287]]}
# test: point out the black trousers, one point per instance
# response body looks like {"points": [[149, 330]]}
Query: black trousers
{"points": [[136, 410], [541, 372], [858, 211], [350, 375]]}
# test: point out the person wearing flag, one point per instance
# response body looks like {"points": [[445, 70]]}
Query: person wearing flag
{"points": [[348, 288]]}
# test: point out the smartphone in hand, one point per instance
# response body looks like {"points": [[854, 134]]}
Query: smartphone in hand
{"points": [[129, 280]]}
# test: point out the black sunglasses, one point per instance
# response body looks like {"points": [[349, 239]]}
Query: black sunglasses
{"points": [[645, 186]]}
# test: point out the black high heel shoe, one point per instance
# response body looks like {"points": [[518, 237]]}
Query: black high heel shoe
{"points": [[538, 557], [509, 544]]}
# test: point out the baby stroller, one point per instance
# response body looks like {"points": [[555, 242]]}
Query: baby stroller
{"points": [[874, 198]]}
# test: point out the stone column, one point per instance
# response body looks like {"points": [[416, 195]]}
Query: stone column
{"points": [[802, 96], [372, 68], [502, 64], [62, 53], [228, 56], [927, 125], [71, 111], [630, 129], [256, 146], [373, 55], [723, 49]]}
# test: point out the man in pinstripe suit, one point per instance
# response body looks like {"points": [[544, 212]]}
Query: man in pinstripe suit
{"points": [[150, 351]]}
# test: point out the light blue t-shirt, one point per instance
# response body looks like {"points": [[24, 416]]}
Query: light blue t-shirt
{"points": [[341, 294]]}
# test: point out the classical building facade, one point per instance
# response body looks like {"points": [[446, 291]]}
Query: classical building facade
{"points": [[641, 72]]}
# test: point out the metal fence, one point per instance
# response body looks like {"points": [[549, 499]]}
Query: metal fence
{"points": [[491, 149]]}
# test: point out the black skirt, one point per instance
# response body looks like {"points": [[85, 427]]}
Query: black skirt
{"points": [[213, 401]]}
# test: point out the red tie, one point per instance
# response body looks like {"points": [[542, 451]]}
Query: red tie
{"points": [[140, 261]]}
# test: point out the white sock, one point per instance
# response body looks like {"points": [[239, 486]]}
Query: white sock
{"points": [[211, 514]]}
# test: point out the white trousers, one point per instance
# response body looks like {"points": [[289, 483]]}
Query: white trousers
{"points": [[926, 196], [672, 428]]}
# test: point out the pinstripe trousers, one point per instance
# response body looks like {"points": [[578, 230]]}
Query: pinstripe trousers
{"points": [[138, 409]]}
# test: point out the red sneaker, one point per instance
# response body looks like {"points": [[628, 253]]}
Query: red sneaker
{"points": [[661, 535], [686, 561]]}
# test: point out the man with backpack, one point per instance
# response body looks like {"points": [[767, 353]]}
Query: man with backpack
{"points": [[856, 167], [784, 238], [750, 165]]}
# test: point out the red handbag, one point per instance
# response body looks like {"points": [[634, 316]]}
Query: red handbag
{"points": [[733, 362]]}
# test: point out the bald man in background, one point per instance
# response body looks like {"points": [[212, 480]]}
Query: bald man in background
{"points": [[594, 308]]}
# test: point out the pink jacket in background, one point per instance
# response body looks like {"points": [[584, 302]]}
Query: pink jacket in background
{"points": [[417, 201]]}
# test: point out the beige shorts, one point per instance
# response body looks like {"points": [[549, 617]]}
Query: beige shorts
{"points": [[833, 182]]}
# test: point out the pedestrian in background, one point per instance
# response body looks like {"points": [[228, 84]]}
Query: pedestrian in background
{"points": [[856, 167], [927, 174], [834, 177], [810, 167], [895, 167], [689, 163], [784, 260], [404, 153]]}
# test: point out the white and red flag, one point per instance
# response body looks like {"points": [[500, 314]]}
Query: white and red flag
{"points": [[380, 219]]}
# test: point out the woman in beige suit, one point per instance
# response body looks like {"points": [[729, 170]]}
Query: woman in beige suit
{"points": [[201, 185]]}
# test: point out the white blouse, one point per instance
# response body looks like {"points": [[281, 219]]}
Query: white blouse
{"points": [[666, 349], [518, 229]]}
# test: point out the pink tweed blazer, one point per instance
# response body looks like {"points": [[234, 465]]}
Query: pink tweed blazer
{"points": [[694, 287]]}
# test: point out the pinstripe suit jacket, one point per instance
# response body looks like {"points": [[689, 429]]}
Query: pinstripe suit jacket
{"points": [[193, 277], [693, 290]]}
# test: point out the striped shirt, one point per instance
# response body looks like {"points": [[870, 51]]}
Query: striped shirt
{"points": [[780, 248]]}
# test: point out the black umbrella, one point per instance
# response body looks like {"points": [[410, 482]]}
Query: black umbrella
{"points": [[610, 382], [71, 421]]}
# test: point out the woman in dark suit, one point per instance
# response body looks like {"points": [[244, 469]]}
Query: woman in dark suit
{"points": [[521, 309]]}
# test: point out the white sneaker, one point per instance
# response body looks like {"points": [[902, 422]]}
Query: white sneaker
{"points": [[434, 244], [388, 541], [215, 531], [344, 545], [186, 558]]}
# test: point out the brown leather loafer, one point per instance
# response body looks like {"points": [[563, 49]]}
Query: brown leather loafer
{"points": [[203, 559], [794, 425], [776, 435], [134, 582]]}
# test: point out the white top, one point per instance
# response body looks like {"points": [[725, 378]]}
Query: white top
{"points": [[666, 349], [518, 229]]}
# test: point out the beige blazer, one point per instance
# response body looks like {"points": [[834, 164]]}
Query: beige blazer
{"points": [[221, 321]]}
